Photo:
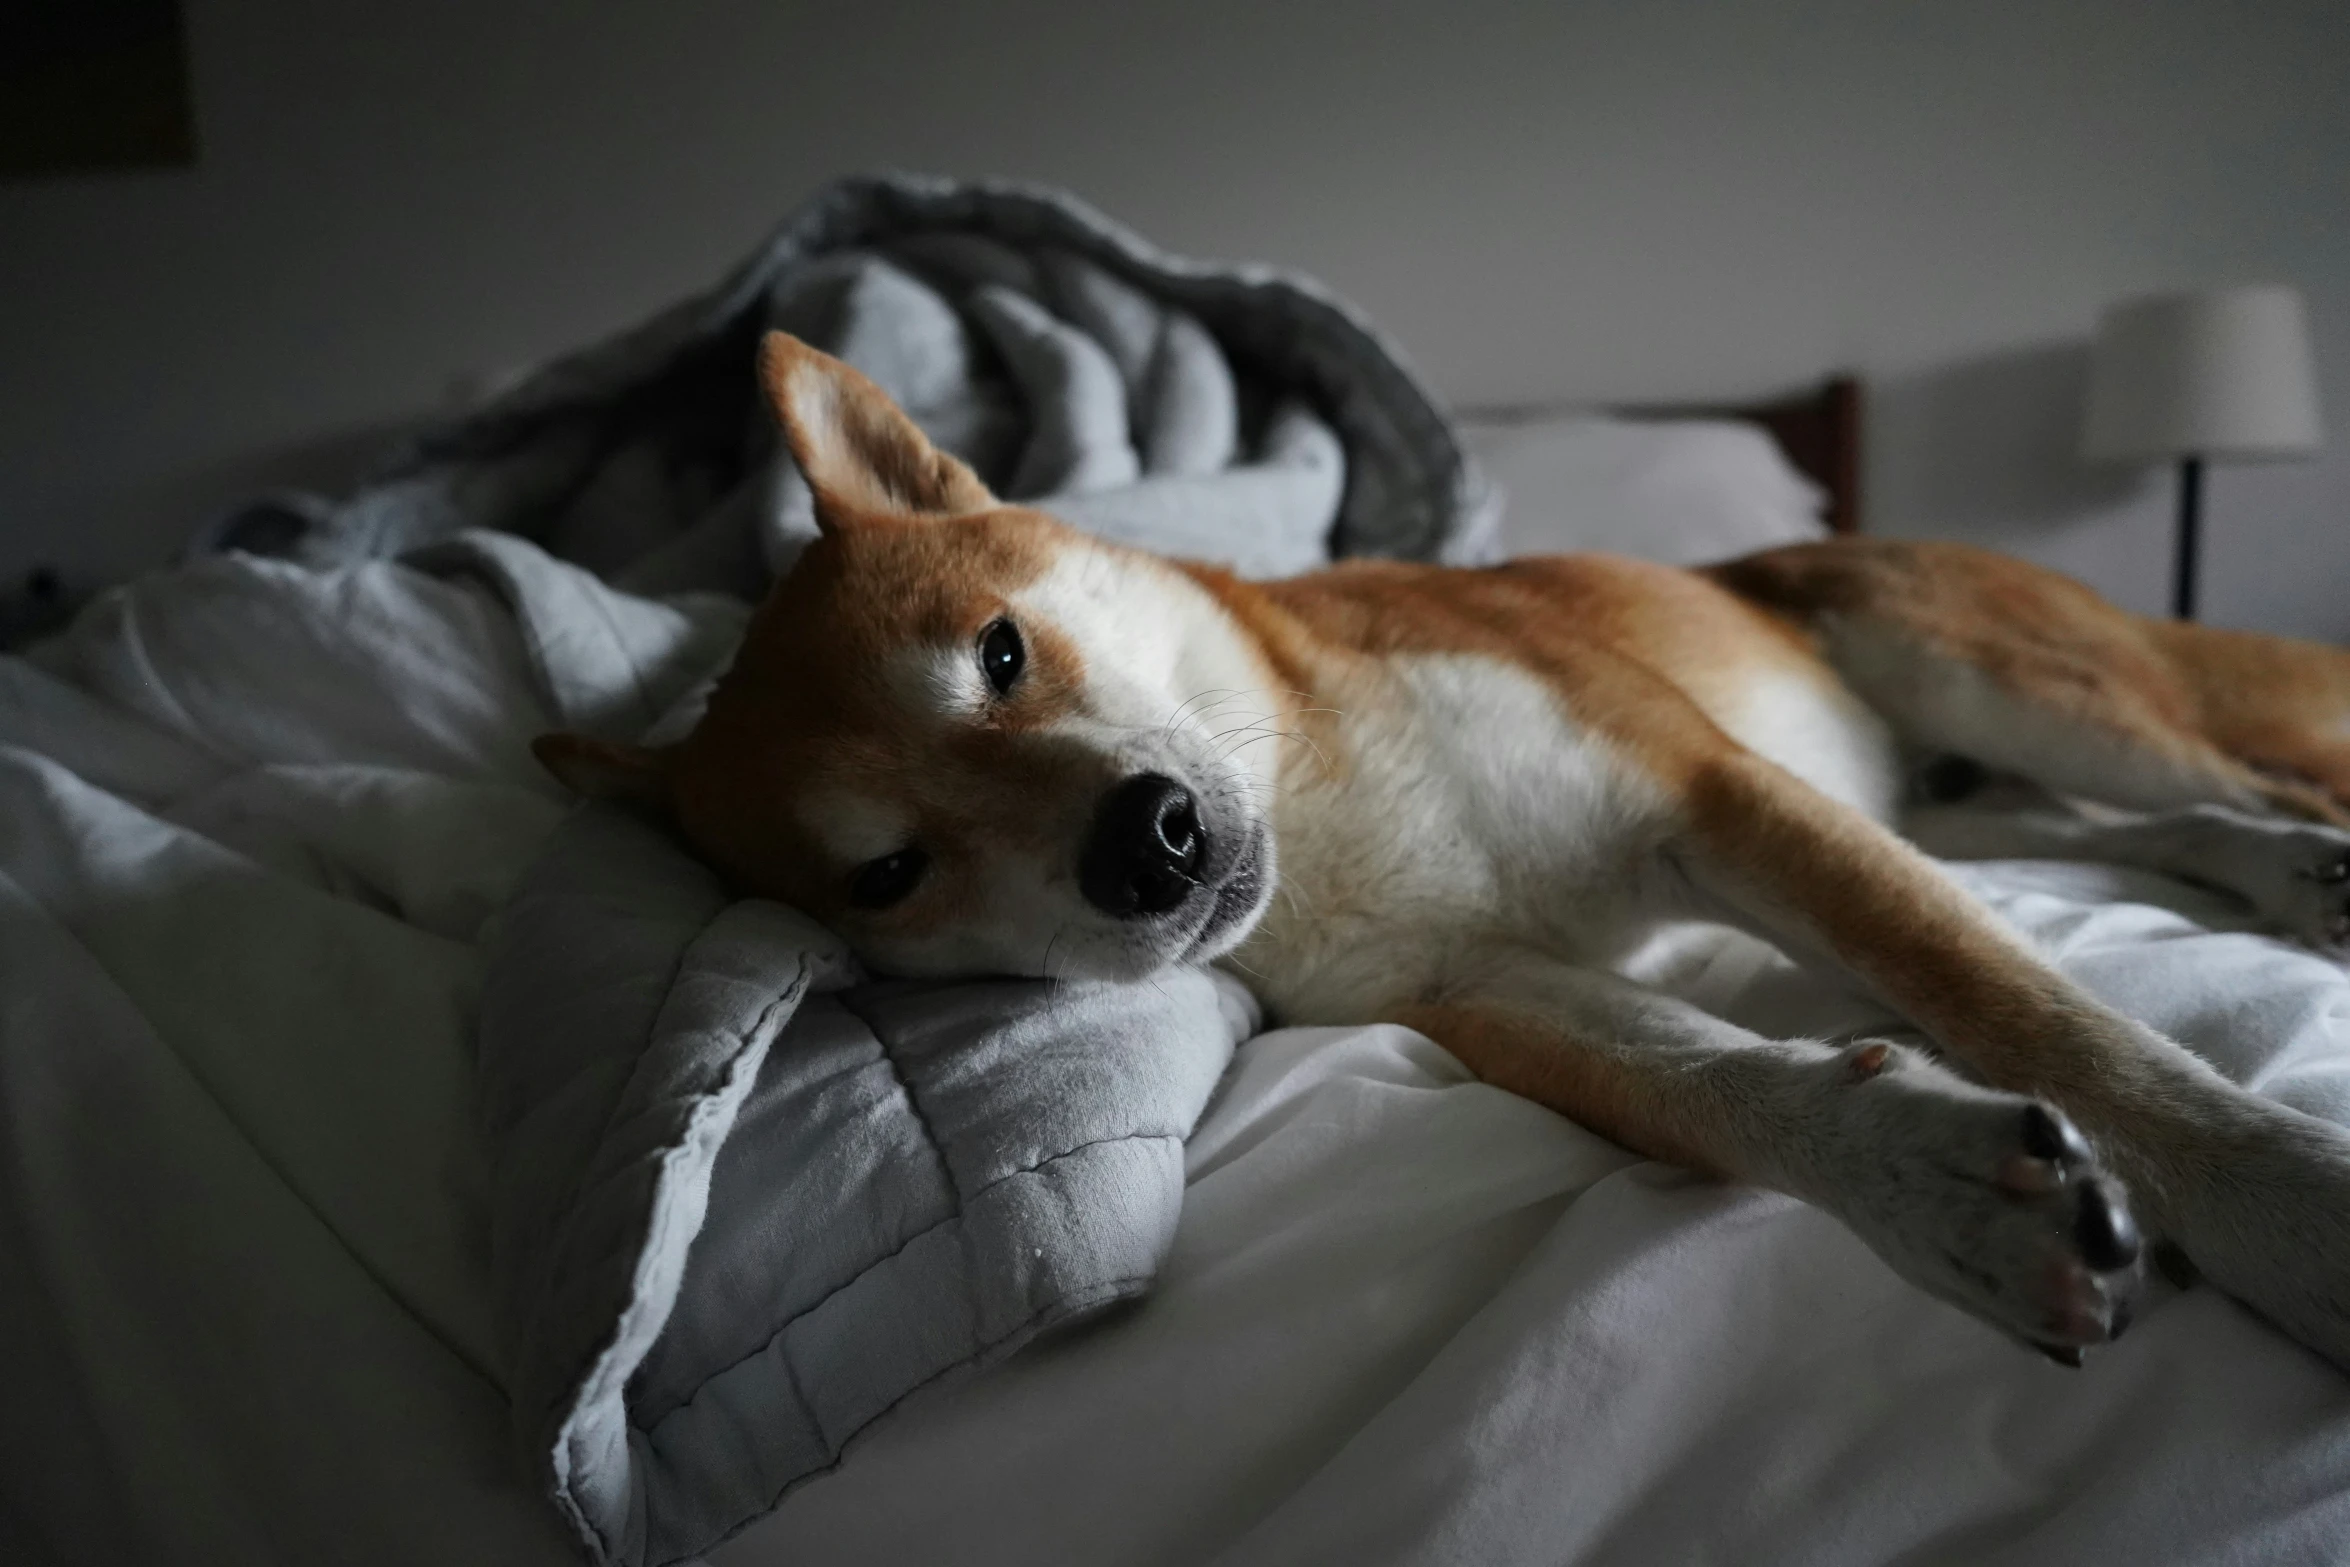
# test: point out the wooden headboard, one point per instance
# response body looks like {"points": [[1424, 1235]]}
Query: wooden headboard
{"points": [[1818, 429]]}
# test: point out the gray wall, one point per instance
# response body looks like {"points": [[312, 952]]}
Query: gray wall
{"points": [[1615, 200]]}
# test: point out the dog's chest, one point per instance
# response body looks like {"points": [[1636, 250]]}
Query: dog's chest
{"points": [[1462, 804]]}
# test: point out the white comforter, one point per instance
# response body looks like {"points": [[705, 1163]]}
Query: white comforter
{"points": [[251, 820]]}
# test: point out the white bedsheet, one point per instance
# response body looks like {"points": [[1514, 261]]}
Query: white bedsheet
{"points": [[249, 819], [250, 822], [1413, 1319]]}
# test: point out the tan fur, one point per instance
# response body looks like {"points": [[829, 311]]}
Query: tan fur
{"points": [[2257, 716], [1610, 1095], [806, 706], [858, 451], [1474, 881], [1607, 632]]}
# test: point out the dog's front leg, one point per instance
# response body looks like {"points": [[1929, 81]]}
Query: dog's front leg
{"points": [[2256, 1193], [1987, 1199]]}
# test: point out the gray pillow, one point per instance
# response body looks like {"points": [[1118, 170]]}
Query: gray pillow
{"points": [[744, 1204]]}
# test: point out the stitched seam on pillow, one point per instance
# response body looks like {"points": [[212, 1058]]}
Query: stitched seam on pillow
{"points": [[818, 1304], [938, 1146], [1107, 1291]]}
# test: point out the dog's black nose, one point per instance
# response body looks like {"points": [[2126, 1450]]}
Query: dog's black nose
{"points": [[1145, 849]]}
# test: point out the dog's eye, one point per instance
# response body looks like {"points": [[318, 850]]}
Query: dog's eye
{"points": [[1001, 656], [879, 883]]}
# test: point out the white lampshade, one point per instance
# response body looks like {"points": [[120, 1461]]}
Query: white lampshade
{"points": [[2219, 373]]}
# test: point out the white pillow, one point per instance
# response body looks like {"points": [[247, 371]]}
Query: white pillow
{"points": [[1681, 491]]}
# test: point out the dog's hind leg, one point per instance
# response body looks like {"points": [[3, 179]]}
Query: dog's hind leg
{"points": [[2107, 728], [1989, 1200], [2027, 672], [2230, 748], [2280, 705], [2294, 875]]}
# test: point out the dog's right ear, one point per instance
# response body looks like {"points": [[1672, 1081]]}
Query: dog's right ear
{"points": [[600, 770], [859, 452]]}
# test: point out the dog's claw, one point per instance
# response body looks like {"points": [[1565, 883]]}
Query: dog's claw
{"points": [[2048, 1135], [2063, 1354], [2104, 1230]]}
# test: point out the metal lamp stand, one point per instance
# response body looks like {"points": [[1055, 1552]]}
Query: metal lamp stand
{"points": [[2190, 542]]}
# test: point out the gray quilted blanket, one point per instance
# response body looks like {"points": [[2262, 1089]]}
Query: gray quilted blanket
{"points": [[1225, 412], [745, 1200]]}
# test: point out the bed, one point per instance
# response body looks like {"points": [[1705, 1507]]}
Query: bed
{"points": [[1412, 1319], [258, 819]]}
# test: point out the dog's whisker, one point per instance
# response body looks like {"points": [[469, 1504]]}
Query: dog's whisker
{"points": [[1260, 730], [1216, 697]]}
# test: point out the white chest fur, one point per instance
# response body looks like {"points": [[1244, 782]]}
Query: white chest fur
{"points": [[1462, 806]]}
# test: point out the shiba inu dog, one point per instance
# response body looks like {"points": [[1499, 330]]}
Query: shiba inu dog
{"points": [[976, 741]]}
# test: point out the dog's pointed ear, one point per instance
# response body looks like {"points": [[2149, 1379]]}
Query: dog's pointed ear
{"points": [[600, 770], [858, 450]]}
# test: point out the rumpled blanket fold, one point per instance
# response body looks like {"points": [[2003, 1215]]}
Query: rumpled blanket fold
{"points": [[1231, 413], [741, 1201]]}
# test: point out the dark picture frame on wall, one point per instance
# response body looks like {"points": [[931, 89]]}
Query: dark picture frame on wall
{"points": [[92, 85]]}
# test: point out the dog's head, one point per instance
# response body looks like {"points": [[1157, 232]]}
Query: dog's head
{"points": [[966, 736]]}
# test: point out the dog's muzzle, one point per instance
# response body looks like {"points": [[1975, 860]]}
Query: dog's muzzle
{"points": [[1144, 854]]}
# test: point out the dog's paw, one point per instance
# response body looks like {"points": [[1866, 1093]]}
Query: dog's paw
{"points": [[2310, 897], [1989, 1200], [2296, 875]]}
